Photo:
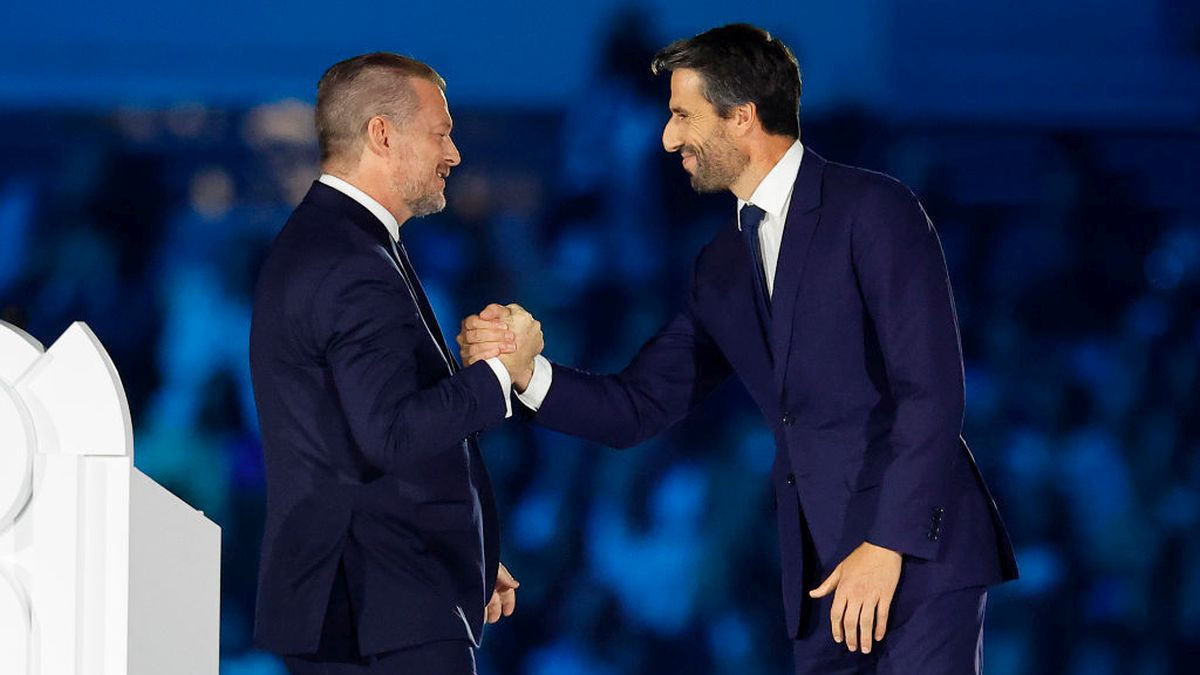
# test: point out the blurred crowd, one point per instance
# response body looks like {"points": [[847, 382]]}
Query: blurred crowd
{"points": [[1074, 254]]}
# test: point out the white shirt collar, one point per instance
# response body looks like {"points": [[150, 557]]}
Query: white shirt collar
{"points": [[384, 216], [774, 192]]}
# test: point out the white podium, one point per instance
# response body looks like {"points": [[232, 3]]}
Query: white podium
{"points": [[102, 571]]}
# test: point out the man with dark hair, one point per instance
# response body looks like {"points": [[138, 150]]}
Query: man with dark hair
{"points": [[827, 295], [380, 553]]}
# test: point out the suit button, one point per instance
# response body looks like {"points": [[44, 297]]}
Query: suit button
{"points": [[791, 479], [787, 419]]}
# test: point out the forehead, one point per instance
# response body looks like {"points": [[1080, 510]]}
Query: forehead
{"points": [[687, 89], [431, 101]]}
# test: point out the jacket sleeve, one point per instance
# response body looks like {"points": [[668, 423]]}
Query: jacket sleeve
{"points": [[671, 373], [902, 276], [369, 330]]}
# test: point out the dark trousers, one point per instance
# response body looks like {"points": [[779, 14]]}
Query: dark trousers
{"points": [[449, 657], [338, 653], [942, 635]]}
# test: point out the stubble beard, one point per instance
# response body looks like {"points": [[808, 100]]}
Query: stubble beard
{"points": [[429, 199], [418, 189], [422, 197], [718, 163]]}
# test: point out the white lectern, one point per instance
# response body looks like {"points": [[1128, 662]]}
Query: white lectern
{"points": [[102, 571]]}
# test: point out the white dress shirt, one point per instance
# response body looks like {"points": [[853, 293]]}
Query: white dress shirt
{"points": [[773, 195], [393, 227]]}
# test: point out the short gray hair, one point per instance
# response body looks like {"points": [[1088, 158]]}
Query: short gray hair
{"points": [[353, 91]]}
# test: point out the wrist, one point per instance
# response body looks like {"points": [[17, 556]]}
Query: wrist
{"points": [[892, 553], [522, 377]]}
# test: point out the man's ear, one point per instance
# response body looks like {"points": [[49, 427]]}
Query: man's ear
{"points": [[378, 136], [743, 116]]}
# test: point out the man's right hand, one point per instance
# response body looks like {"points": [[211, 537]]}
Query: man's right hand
{"points": [[505, 331]]}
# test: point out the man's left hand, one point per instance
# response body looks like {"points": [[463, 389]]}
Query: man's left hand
{"points": [[862, 586], [504, 598]]}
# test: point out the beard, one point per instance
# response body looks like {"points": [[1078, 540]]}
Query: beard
{"points": [[421, 191], [718, 162], [426, 199]]}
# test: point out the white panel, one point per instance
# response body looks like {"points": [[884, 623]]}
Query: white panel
{"points": [[76, 399], [14, 625], [18, 350], [104, 564], [174, 584], [102, 571], [17, 445], [55, 565]]}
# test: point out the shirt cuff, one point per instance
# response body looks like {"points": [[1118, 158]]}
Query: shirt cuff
{"points": [[505, 382], [539, 384]]}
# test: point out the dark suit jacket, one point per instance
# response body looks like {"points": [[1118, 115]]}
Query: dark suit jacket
{"points": [[858, 373], [371, 457]]}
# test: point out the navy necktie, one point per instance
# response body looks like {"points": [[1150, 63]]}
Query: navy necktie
{"points": [[422, 302], [751, 218]]}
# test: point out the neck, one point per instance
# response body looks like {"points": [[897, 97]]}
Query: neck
{"points": [[375, 187], [764, 155]]}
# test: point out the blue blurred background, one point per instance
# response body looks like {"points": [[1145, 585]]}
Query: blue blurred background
{"points": [[149, 152]]}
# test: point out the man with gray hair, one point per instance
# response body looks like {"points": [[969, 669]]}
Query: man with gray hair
{"points": [[380, 552]]}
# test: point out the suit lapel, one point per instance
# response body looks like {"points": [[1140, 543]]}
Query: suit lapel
{"points": [[737, 309], [802, 219], [424, 306], [328, 198]]}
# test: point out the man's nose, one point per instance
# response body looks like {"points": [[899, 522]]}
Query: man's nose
{"points": [[670, 139]]}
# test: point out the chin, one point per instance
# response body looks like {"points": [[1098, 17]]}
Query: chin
{"points": [[702, 187], [427, 205], [425, 208]]}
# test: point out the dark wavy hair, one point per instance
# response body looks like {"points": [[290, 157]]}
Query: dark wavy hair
{"points": [[740, 63]]}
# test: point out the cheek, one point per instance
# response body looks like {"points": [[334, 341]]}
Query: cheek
{"points": [[696, 133], [433, 153]]}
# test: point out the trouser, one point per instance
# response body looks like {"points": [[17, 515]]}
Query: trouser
{"points": [[448, 657], [338, 653], [941, 635]]}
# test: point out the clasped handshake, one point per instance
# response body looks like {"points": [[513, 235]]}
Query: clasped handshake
{"points": [[507, 332]]}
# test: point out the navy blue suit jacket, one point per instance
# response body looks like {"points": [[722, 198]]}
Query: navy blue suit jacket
{"points": [[858, 373], [371, 457]]}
